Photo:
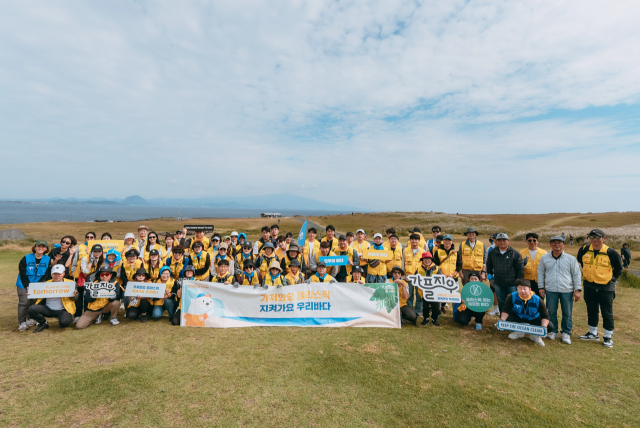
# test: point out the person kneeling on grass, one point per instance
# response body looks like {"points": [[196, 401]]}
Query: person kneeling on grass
{"points": [[462, 314], [321, 274], [407, 312], [102, 305], [139, 307], [176, 292], [356, 275], [62, 308], [166, 302], [525, 307]]}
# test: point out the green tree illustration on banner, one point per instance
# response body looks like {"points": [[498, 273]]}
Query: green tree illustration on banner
{"points": [[385, 295]]}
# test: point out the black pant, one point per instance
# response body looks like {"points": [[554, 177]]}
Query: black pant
{"points": [[465, 316], [409, 314], [39, 312], [435, 309], [341, 278], [80, 302], [599, 301], [535, 288], [537, 321], [135, 312], [176, 318]]}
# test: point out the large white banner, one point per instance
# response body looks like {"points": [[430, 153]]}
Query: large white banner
{"points": [[206, 304]]}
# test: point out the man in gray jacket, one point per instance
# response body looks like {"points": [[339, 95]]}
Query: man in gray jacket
{"points": [[559, 279]]}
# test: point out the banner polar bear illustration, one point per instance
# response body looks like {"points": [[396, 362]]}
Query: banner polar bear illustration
{"points": [[201, 308]]}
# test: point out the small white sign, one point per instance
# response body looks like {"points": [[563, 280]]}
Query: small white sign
{"points": [[522, 328], [437, 288], [101, 290], [43, 290], [145, 289]]}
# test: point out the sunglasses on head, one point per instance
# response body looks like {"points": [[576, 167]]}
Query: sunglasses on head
{"points": [[532, 240]]}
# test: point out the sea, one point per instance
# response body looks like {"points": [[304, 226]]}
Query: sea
{"points": [[28, 212]]}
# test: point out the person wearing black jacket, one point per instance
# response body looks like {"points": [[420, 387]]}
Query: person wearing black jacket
{"points": [[176, 292], [506, 265], [63, 255], [625, 252], [601, 268], [98, 306]]}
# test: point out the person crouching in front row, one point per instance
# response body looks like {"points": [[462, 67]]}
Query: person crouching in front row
{"points": [[356, 275], [462, 314], [525, 307], [62, 308], [406, 312], [294, 276], [98, 306], [166, 303], [139, 307]]}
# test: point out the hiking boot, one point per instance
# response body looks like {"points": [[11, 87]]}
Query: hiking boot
{"points": [[75, 320], [425, 321], [31, 322], [607, 342], [114, 321], [590, 336], [536, 339], [435, 322], [566, 338], [552, 336], [41, 327], [143, 318], [516, 335], [23, 327]]}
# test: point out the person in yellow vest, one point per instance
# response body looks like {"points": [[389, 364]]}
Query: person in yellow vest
{"points": [[411, 255], [601, 268], [293, 253], [166, 303], [423, 242], [471, 256], [321, 274], [350, 238], [152, 244], [139, 307], [282, 247], [62, 308], [428, 268], [389, 232], [81, 252], [178, 262], [165, 250], [325, 251], [223, 254], [406, 312], [250, 276], [129, 244], [235, 246], [96, 306], [343, 249], [356, 275], [214, 246], [531, 258], [153, 265], [294, 276], [243, 258], [377, 269], [274, 277], [223, 276], [330, 237], [142, 239], [397, 256], [361, 244], [201, 260], [311, 247], [199, 237], [266, 258], [130, 264], [446, 259]]}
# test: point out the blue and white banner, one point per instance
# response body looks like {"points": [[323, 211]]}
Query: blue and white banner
{"points": [[302, 236], [522, 328], [334, 260], [206, 304]]}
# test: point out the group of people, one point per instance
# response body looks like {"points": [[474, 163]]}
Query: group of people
{"points": [[528, 285]]}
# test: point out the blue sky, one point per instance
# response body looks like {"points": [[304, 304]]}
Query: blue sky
{"points": [[455, 106]]}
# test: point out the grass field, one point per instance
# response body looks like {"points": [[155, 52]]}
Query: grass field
{"points": [[155, 374]]}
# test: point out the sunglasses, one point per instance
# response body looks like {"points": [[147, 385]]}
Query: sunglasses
{"points": [[177, 253], [90, 237], [66, 242], [595, 237], [532, 240]]}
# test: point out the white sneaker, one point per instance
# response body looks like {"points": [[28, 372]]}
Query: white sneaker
{"points": [[516, 335], [566, 338], [23, 326], [122, 305], [75, 320], [99, 319], [536, 339], [552, 336], [114, 321], [495, 312], [31, 322]]}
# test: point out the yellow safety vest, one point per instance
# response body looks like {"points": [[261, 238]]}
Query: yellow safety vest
{"points": [[396, 258], [199, 263], [472, 258], [272, 283], [360, 249], [448, 267], [531, 269], [349, 253], [411, 262], [160, 300], [69, 303], [598, 268]]}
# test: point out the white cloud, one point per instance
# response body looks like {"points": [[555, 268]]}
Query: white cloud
{"points": [[294, 87]]}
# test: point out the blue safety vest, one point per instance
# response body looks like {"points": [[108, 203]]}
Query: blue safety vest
{"points": [[529, 311], [35, 270]]}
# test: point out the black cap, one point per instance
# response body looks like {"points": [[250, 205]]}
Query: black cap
{"points": [[596, 232], [106, 269], [97, 248], [198, 244], [416, 229], [154, 253], [142, 271], [398, 269], [178, 231], [132, 252], [294, 262], [350, 234], [322, 264], [191, 268], [342, 237], [357, 268]]}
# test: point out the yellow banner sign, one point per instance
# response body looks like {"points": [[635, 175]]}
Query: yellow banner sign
{"points": [[371, 254], [118, 244]]}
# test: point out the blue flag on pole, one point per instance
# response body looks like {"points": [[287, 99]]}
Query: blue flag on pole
{"points": [[302, 236]]}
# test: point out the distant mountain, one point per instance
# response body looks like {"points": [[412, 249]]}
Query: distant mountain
{"points": [[135, 200]]}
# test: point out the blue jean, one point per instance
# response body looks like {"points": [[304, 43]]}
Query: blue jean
{"points": [[413, 295], [169, 305], [566, 303], [502, 293], [376, 279]]}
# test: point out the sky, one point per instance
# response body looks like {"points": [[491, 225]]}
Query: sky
{"points": [[454, 106]]}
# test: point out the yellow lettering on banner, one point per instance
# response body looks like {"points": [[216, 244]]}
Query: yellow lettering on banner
{"points": [[376, 254]]}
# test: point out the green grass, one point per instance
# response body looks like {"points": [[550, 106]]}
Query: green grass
{"points": [[629, 280], [155, 374]]}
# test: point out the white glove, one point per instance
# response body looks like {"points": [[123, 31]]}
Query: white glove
{"points": [[256, 286], [266, 287], [279, 286]]}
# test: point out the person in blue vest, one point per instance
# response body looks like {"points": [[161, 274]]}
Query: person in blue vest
{"points": [[524, 306], [33, 267]]}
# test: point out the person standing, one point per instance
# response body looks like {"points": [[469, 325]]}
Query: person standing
{"points": [[360, 245], [330, 237], [411, 261], [33, 267], [625, 253], [142, 238], [506, 266], [495, 311], [559, 282], [343, 249], [531, 258], [601, 268], [393, 245], [435, 231], [471, 256], [63, 255]]}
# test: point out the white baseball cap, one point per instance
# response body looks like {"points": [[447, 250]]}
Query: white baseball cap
{"points": [[57, 269], [129, 235], [376, 235], [360, 230], [234, 233]]}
